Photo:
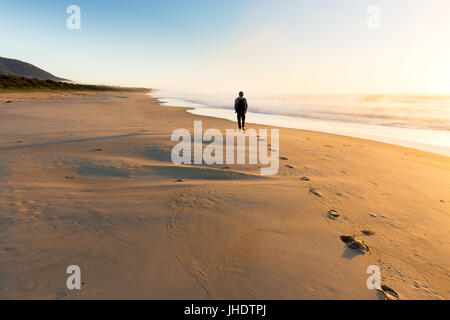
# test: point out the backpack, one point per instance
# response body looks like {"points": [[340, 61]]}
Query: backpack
{"points": [[241, 105]]}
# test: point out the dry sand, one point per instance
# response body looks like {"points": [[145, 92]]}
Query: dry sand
{"points": [[86, 179]]}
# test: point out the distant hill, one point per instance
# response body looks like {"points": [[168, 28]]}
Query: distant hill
{"points": [[16, 83], [22, 69]]}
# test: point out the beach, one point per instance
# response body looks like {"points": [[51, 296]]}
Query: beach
{"points": [[87, 179]]}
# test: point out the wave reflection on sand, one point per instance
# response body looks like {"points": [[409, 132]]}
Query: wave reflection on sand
{"points": [[416, 122]]}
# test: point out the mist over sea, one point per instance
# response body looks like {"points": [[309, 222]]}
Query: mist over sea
{"points": [[421, 122]]}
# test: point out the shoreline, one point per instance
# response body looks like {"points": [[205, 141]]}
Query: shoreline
{"points": [[347, 129]]}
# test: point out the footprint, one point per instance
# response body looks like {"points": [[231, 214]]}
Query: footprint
{"points": [[5, 250], [388, 293], [15, 204], [354, 243], [315, 192], [368, 232], [333, 214]]}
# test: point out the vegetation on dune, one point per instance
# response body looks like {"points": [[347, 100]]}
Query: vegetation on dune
{"points": [[16, 83]]}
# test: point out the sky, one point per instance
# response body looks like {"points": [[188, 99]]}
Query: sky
{"points": [[217, 46]]}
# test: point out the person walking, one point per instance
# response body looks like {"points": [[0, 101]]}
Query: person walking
{"points": [[240, 107]]}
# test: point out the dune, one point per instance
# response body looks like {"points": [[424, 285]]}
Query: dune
{"points": [[91, 183]]}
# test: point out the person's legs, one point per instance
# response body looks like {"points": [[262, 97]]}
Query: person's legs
{"points": [[241, 120]]}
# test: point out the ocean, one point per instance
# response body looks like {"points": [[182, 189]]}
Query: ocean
{"points": [[420, 122]]}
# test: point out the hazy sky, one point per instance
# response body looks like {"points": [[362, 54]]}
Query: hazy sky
{"points": [[270, 46]]}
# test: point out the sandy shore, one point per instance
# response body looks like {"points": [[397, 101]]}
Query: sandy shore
{"points": [[86, 179]]}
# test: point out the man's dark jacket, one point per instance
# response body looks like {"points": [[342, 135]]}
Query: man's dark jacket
{"points": [[240, 105]]}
